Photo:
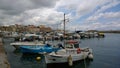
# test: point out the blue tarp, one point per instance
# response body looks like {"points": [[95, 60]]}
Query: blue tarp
{"points": [[38, 49]]}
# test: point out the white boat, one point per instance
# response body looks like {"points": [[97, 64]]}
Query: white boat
{"points": [[28, 40], [18, 44], [69, 54]]}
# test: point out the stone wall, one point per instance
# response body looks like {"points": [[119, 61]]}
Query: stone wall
{"points": [[3, 57]]}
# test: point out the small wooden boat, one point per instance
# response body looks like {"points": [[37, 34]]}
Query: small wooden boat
{"points": [[69, 54]]}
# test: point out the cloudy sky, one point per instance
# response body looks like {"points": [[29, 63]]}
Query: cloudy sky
{"points": [[80, 14]]}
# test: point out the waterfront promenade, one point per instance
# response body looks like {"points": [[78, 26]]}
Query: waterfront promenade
{"points": [[3, 57]]}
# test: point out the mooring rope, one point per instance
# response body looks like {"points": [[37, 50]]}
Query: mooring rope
{"points": [[84, 59]]}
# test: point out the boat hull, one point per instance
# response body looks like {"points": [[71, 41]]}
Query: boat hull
{"points": [[16, 46], [29, 49], [64, 58], [37, 49]]}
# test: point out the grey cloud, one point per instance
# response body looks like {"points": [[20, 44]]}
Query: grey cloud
{"points": [[13, 7], [14, 11], [44, 3]]}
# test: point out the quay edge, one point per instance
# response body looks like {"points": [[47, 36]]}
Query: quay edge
{"points": [[3, 57]]}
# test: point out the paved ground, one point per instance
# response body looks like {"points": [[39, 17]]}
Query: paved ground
{"points": [[3, 58]]}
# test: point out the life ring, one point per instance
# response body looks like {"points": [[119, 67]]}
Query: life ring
{"points": [[78, 50]]}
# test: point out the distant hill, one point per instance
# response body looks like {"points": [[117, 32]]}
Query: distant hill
{"points": [[111, 31], [105, 31]]}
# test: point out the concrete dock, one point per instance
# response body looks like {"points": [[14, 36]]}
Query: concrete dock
{"points": [[3, 57]]}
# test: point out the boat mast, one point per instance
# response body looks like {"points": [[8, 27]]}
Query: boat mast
{"points": [[64, 29], [64, 25]]}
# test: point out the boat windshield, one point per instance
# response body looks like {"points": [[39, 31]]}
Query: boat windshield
{"points": [[72, 46], [69, 46]]}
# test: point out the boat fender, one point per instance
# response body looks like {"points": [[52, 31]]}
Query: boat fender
{"points": [[90, 56], [78, 50], [70, 62], [38, 58]]}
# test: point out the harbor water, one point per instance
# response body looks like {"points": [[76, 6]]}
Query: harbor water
{"points": [[106, 53]]}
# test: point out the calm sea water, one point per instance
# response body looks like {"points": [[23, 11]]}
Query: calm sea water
{"points": [[106, 55]]}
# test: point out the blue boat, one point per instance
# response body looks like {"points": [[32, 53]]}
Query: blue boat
{"points": [[38, 49]]}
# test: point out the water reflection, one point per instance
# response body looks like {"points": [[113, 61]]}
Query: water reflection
{"points": [[17, 52], [31, 57], [76, 64]]}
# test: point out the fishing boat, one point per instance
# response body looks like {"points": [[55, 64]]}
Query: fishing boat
{"points": [[69, 53], [47, 48]]}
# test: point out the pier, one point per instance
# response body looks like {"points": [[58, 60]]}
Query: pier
{"points": [[3, 57]]}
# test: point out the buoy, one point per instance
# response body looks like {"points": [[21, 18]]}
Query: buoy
{"points": [[90, 56], [38, 58], [70, 62]]}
